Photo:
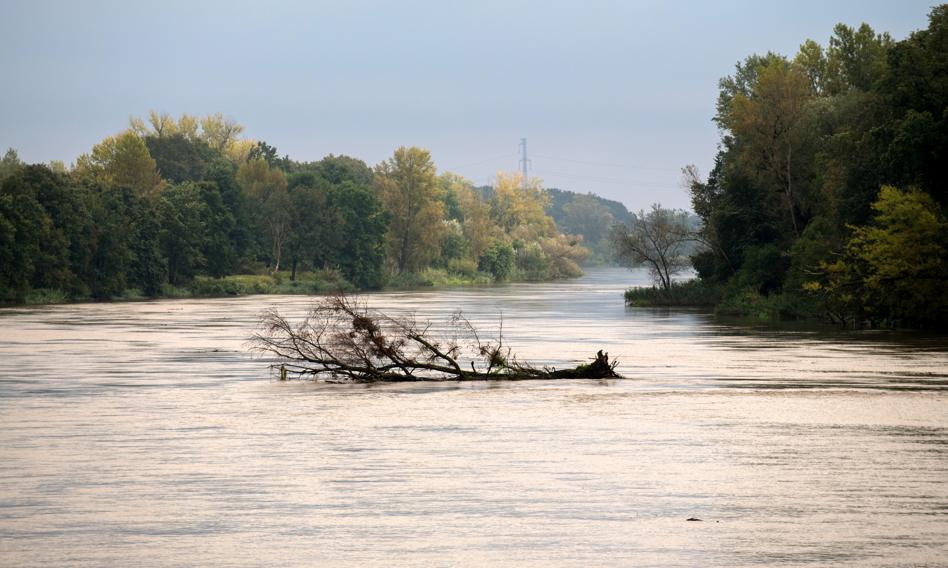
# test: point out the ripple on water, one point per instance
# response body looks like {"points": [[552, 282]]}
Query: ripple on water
{"points": [[143, 433]]}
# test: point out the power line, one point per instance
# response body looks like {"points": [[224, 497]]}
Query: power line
{"points": [[524, 163]]}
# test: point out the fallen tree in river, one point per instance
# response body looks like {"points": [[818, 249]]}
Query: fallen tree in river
{"points": [[342, 340]]}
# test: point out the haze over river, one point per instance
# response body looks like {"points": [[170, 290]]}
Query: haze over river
{"points": [[143, 434]]}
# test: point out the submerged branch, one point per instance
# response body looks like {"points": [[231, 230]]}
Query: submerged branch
{"points": [[341, 340]]}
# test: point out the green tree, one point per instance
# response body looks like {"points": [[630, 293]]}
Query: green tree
{"points": [[856, 58], [14, 269], [771, 124], [147, 269], [9, 164], [180, 214], [177, 158], [916, 94], [408, 187], [217, 221], [123, 161], [903, 256], [811, 60], [315, 233], [340, 169], [110, 243], [361, 254], [222, 172], [266, 188], [497, 260], [40, 251]]}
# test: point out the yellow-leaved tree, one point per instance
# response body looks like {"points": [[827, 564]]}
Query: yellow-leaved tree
{"points": [[479, 231], [408, 187], [218, 132], [520, 209], [121, 160]]}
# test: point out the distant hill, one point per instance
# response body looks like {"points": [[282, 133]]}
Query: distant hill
{"points": [[583, 214], [562, 197], [588, 215]]}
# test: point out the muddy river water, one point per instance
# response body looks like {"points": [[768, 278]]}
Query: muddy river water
{"points": [[144, 434]]}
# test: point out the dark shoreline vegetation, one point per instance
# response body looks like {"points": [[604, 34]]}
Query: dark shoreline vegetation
{"points": [[828, 193], [184, 207]]}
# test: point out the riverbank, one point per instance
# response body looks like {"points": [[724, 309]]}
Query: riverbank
{"points": [[305, 283], [731, 301]]}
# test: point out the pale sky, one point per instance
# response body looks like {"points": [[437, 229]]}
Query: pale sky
{"points": [[613, 97]]}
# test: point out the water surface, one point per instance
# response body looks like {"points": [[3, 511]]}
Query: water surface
{"points": [[144, 434]]}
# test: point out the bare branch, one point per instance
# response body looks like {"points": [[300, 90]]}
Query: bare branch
{"points": [[342, 340]]}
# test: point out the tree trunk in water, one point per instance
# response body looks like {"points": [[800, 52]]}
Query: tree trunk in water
{"points": [[342, 341]]}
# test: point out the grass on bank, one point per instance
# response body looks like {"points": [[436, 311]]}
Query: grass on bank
{"points": [[437, 278], [306, 282], [742, 302], [309, 282], [692, 293]]}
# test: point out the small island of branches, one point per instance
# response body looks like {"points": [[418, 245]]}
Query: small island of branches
{"points": [[342, 340]]}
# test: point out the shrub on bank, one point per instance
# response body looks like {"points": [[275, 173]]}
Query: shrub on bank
{"points": [[733, 300], [45, 296], [313, 282], [205, 286], [437, 277], [749, 303], [681, 294]]}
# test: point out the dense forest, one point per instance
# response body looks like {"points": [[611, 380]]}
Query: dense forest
{"points": [[185, 206], [828, 193]]}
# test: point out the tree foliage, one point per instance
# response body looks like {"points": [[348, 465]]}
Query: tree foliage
{"points": [[803, 201], [121, 161], [894, 268], [408, 187], [171, 204]]}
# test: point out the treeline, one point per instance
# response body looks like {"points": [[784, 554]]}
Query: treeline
{"points": [[588, 215], [176, 206], [828, 193]]}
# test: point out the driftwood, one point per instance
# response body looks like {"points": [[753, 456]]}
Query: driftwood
{"points": [[342, 340]]}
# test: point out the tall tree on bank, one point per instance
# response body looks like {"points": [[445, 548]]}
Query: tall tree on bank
{"points": [[852, 139], [180, 214], [771, 121], [122, 160], [409, 189], [657, 239], [9, 164], [521, 210], [266, 188]]}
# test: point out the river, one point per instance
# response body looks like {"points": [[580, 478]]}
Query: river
{"points": [[143, 434]]}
